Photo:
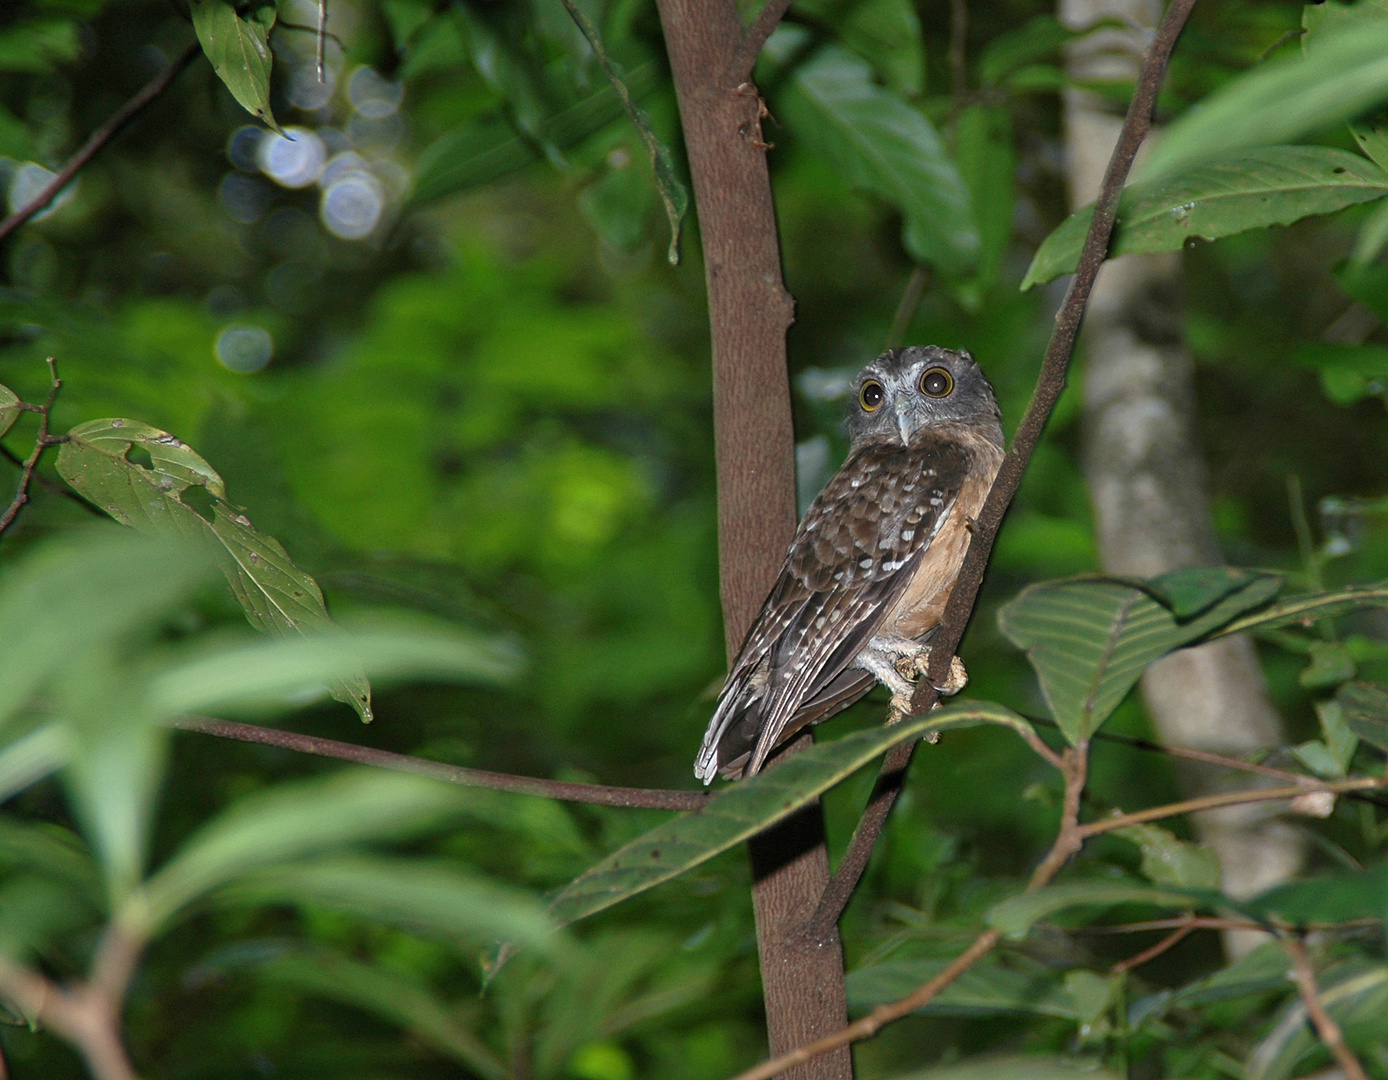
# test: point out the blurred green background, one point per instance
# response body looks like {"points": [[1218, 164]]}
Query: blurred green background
{"points": [[487, 399]]}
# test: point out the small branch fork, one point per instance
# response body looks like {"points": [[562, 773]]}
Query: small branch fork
{"points": [[1049, 385], [99, 138], [754, 38], [42, 441]]}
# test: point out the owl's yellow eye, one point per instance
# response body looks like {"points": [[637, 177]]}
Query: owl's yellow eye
{"points": [[937, 382], [871, 395]]}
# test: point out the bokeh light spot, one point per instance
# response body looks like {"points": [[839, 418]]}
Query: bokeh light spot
{"points": [[295, 162], [243, 197], [373, 96], [243, 148], [352, 206], [243, 348]]}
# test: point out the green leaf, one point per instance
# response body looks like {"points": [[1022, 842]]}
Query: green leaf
{"points": [[885, 33], [277, 670], [990, 987], [1282, 100], [1169, 861], [1338, 898], [1041, 38], [1373, 236], [1091, 638], [667, 181], [749, 807], [33, 757], [409, 893], [1331, 664], [485, 150], [394, 996], [37, 913], [1307, 609], [1192, 592], [1014, 1067], [237, 44], [1354, 996], [1016, 915], [884, 146], [1366, 712], [149, 480], [290, 822], [9, 408], [1093, 995], [1262, 970], [1253, 190]]}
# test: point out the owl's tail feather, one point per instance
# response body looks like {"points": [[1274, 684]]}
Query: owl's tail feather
{"points": [[733, 730]]}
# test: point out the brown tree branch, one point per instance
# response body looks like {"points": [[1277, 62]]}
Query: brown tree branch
{"points": [[1233, 798], [1170, 941], [42, 442], [1326, 1027], [595, 794], [99, 138], [1049, 385], [1067, 842], [85, 1015], [754, 39]]}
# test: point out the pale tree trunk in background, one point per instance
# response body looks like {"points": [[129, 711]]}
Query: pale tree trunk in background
{"points": [[1147, 478]]}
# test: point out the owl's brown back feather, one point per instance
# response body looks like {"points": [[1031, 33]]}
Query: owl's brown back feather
{"points": [[850, 562]]}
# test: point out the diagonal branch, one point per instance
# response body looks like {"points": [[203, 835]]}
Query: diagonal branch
{"points": [[1326, 1028], [1049, 385], [596, 794], [42, 442], [1067, 842], [99, 138], [753, 39]]}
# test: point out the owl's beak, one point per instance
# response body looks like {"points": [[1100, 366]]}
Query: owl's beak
{"points": [[905, 421]]}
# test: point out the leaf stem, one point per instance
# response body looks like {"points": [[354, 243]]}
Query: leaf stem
{"points": [[42, 442]]}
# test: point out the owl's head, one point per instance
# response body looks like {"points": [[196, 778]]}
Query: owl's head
{"points": [[906, 391]]}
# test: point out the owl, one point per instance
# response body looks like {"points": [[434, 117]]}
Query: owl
{"points": [[868, 575]]}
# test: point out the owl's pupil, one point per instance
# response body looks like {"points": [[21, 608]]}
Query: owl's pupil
{"points": [[872, 395], [936, 384]]}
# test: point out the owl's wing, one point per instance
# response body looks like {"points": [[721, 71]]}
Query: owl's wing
{"points": [[852, 558]]}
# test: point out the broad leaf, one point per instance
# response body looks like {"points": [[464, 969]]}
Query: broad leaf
{"points": [[1366, 711], [1262, 970], [749, 807], [983, 145], [1255, 189], [1014, 1067], [390, 994], [1282, 100], [291, 821], [1015, 916], [672, 192], [1191, 592], [33, 757], [885, 33], [1343, 897], [487, 149], [9, 408], [430, 897], [149, 480], [237, 43], [1356, 997], [1091, 638], [883, 145], [1012, 985], [1167, 860]]}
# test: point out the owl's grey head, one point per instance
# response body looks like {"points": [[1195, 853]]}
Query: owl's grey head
{"points": [[906, 391]]}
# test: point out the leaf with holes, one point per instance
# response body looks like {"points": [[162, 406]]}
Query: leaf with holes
{"points": [[1273, 186], [749, 807], [237, 43], [1091, 638], [149, 480], [9, 408]]}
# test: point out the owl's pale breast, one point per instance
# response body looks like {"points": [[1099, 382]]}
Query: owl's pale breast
{"points": [[922, 605]]}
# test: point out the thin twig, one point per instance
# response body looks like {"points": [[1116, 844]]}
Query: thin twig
{"points": [[1232, 798], [1049, 385], [1326, 1027], [596, 794], [744, 59], [99, 138], [53, 488], [906, 310], [1214, 922], [41, 443], [1168, 942], [1067, 843], [321, 38]]}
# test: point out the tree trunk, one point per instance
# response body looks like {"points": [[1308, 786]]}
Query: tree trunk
{"points": [[1147, 480], [749, 312]]}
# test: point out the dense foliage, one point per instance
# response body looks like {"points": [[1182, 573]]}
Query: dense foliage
{"points": [[429, 355]]}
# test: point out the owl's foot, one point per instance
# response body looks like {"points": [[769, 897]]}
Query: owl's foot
{"points": [[913, 667]]}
